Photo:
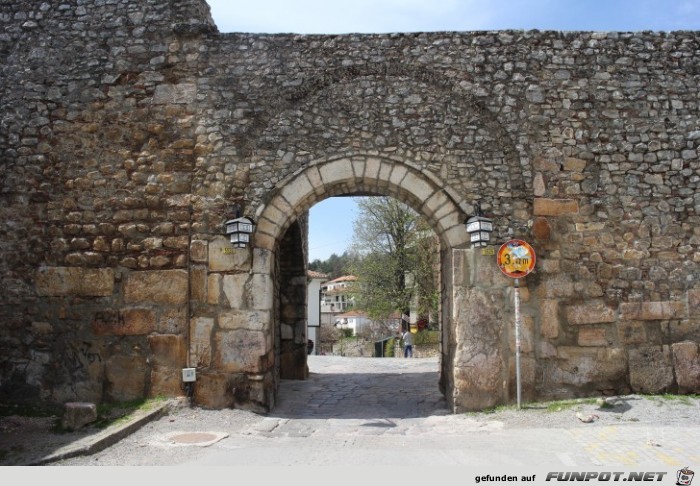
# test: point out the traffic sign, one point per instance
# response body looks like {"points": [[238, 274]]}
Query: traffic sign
{"points": [[516, 258]]}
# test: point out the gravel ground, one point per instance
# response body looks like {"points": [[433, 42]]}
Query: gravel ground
{"points": [[24, 440], [657, 410], [155, 443]]}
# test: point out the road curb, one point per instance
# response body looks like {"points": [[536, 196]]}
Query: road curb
{"points": [[109, 436]]}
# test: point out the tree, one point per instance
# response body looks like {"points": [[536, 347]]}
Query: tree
{"points": [[336, 266], [394, 253]]}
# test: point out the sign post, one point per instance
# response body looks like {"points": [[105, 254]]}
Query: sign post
{"points": [[516, 259]]}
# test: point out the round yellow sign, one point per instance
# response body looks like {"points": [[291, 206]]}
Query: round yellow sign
{"points": [[516, 258]]}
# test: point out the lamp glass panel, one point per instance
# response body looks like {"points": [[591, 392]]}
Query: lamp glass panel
{"points": [[472, 226]]}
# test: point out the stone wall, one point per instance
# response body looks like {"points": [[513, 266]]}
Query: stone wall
{"points": [[128, 130]]}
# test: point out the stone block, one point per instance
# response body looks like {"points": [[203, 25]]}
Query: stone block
{"points": [[263, 241], [545, 164], [252, 392], [126, 322], [437, 202], [593, 336], [681, 330], [541, 229], [78, 414], [242, 319], [261, 292], [686, 363], [554, 286], [198, 283], [299, 188], [651, 311], [479, 320], [539, 188], [651, 369], [262, 261], [574, 165], [239, 350], [198, 251], [166, 382], [172, 321], [126, 377], [315, 176], [472, 267], [64, 281], [418, 187], [554, 207], [588, 289], [590, 313], [158, 286], [286, 331], [546, 350], [694, 302], [478, 382], [201, 334], [372, 167], [234, 287], [590, 227], [214, 390], [549, 319], [168, 350], [527, 326], [223, 257], [528, 390], [183, 93], [548, 265], [598, 367], [336, 171], [214, 288], [265, 226], [631, 332]]}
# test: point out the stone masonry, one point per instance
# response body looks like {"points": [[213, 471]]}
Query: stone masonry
{"points": [[130, 129]]}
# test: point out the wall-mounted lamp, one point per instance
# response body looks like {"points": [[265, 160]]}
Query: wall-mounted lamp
{"points": [[240, 229], [479, 227]]}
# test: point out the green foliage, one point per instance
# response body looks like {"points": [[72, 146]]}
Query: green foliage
{"points": [[336, 266], [426, 337], [346, 333], [113, 413], [395, 259], [389, 347], [558, 406], [684, 399]]}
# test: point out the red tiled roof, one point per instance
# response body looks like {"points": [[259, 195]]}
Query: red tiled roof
{"points": [[345, 278]]}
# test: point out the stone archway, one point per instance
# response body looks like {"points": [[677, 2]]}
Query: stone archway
{"points": [[368, 175]]}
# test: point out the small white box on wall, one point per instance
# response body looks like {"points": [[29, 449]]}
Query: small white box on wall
{"points": [[189, 375]]}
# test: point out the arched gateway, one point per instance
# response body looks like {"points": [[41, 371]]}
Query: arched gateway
{"points": [[128, 131], [358, 174]]}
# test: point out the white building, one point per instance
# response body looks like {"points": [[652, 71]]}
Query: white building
{"points": [[336, 295], [313, 307], [355, 320]]}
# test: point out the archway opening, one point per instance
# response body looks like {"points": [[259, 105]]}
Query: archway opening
{"points": [[385, 282], [369, 175]]}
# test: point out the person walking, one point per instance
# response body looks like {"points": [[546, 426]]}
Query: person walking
{"points": [[407, 344]]}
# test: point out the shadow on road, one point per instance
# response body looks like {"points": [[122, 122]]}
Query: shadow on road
{"points": [[361, 396]]}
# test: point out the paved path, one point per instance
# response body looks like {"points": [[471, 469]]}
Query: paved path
{"points": [[387, 412]]}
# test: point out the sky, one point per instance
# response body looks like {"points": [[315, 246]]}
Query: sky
{"points": [[331, 221]]}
